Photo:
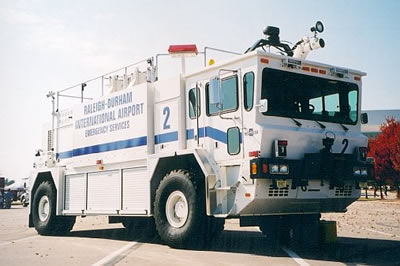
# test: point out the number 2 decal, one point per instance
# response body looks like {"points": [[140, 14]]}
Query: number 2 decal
{"points": [[345, 142], [166, 112]]}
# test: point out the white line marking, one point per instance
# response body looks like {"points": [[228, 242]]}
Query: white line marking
{"points": [[18, 240], [296, 257], [112, 256]]}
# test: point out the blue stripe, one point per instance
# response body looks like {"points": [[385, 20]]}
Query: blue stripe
{"points": [[64, 155], [111, 146], [216, 134], [210, 132], [190, 133], [166, 137]]}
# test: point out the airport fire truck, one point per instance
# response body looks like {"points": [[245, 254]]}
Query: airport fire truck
{"points": [[269, 138]]}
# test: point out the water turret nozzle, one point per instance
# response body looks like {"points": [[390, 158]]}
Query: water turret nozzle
{"points": [[307, 44], [319, 27]]}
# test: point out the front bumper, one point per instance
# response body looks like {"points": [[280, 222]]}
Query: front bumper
{"points": [[335, 168]]}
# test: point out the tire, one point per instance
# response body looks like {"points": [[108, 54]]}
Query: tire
{"points": [[179, 211], [215, 226], [23, 202], [44, 212]]}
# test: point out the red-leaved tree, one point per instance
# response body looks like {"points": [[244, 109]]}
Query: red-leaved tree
{"points": [[385, 148]]}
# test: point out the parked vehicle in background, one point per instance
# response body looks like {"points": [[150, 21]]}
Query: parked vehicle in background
{"points": [[25, 199]]}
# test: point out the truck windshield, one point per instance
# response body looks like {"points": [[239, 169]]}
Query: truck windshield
{"points": [[307, 97]]}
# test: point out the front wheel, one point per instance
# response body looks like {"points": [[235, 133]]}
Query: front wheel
{"points": [[44, 212], [179, 210]]}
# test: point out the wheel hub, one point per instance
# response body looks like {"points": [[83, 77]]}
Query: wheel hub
{"points": [[44, 207], [176, 209]]}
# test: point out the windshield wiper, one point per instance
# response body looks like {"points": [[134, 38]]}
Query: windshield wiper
{"points": [[297, 122], [344, 127], [320, 124]]}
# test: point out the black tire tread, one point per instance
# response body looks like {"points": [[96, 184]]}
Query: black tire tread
{"points": [[192, 234], [55, 225]]}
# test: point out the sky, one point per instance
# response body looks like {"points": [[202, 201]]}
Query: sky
{"points": [[50, 45]]}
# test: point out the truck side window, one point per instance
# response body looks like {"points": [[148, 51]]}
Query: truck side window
{"points": [[248, 85], [233, 140], [353, 96], [229, 93], [194, 101]]}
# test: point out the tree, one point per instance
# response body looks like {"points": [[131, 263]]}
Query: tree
{"points": [[385, 148]]}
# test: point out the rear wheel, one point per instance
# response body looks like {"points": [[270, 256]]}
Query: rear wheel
{"points": [[44, 212], [179, 211]]}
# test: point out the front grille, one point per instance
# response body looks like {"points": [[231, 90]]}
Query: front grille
{"points": [[278, 192], [344, 192]]}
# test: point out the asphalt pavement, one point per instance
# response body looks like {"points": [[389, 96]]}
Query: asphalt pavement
{"points": [[95, 242]]}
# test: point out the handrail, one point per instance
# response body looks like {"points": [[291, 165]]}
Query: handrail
{"points": [[102, 76], [218, 50]]}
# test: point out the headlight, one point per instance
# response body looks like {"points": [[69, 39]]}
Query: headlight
{"points": [[356, 171], [283, 169], [364, 172], [274, 168], [360, 171]]}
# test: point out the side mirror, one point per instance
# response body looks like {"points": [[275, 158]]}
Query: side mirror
{"points": [[364, 118], [216, 97], [262, 106]]}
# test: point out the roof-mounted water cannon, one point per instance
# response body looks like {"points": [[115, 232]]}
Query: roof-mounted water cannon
{"points": [[306, 44]]}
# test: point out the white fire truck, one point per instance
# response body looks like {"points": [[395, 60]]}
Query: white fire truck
{"points": [[270, 138]]}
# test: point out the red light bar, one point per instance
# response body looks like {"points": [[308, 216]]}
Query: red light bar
{"points": [[183, 49]]}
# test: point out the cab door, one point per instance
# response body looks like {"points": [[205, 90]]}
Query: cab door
{"points": [[223, 123], [194, 115]]}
